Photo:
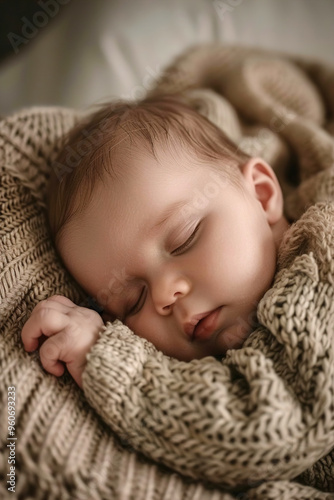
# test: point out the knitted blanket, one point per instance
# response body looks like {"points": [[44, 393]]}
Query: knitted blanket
{"points": [[258, 424]]}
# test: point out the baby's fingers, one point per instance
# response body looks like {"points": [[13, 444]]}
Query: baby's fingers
{"points": [[50, 353], [43, 321]]}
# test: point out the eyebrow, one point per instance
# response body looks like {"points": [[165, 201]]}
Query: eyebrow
{"points": [[168, 213]]}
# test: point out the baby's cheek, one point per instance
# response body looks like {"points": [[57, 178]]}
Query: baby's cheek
{"points": [[152, 328], [138, 324]]}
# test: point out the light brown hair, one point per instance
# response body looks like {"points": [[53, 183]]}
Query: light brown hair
{"points": [[103, 143]]}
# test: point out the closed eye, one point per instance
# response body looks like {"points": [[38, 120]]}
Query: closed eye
{"points": [[182, 248], [138, 305], [142, 297]]}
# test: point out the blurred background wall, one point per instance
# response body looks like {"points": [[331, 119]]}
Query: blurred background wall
{"points": [[74, 52]]}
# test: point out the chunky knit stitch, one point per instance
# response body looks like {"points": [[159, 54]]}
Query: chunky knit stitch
{"points": [[258, 424]]}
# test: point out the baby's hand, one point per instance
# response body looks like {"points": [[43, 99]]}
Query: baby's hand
{"points": [[72, 331]]}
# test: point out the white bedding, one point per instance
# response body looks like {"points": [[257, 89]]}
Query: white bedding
{"points": [[93, 51]]}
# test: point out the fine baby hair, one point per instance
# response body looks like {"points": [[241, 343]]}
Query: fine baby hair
{"points": [[102, 144]]}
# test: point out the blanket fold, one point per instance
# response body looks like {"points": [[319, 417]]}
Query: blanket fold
{"points": [[258, 424]]}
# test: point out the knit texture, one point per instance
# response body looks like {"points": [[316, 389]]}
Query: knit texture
{"points": [[259, 424]]}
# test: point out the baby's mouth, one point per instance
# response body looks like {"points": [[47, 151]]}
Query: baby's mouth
{"points": [[207, 326], [203, 325]]}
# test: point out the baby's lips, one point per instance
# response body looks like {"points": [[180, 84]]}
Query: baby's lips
{"points": [[189, 326]]}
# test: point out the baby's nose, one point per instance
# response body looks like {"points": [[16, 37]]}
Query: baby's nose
{"points": [[166, 295]]}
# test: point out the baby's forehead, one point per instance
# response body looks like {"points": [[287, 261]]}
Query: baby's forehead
{"points": [[147, 184]]}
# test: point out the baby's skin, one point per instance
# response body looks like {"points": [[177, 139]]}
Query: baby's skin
{"points": [[64, 334], [183, 261]]}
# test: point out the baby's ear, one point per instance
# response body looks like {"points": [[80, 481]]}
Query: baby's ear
{"points": [[263, 184]]}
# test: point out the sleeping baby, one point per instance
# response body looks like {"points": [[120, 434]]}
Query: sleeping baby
{"points": [[167, 225]]}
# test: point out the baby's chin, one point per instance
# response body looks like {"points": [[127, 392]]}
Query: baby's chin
{"points": [[233, 337]]}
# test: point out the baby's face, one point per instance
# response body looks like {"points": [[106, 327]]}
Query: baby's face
{"points": [[177, 252]]}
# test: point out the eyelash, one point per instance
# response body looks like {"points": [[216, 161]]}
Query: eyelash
{"points": [[134, 309], [179, 250], [187, 243]]}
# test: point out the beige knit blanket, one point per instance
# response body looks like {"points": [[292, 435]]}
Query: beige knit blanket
{"points": [[258, 424]]}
